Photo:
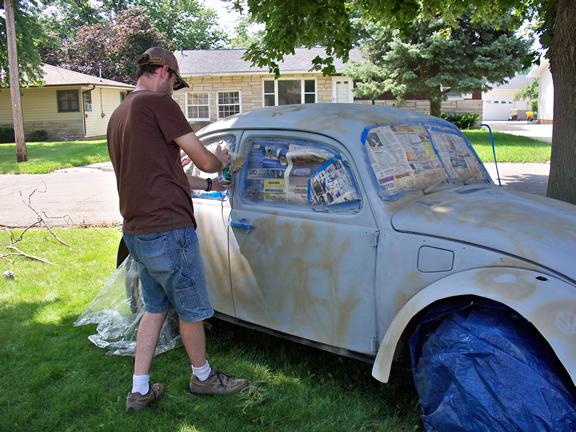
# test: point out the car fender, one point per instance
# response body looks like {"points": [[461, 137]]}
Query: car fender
{"points": [[547, 302]]}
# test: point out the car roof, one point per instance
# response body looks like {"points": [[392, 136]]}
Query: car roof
{"points": [[343, 122]]}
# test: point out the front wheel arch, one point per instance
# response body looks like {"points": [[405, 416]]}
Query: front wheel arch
{"points": [[538, 297]]}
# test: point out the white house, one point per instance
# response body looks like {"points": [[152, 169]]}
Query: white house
{"points": [[500, 100], [545, 93]]}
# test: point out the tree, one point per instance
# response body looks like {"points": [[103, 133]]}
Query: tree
{"points": [[29, 33], [436, 58], [531, 92], [244, 36], [111, 50], [325, 22], [186, 23]]}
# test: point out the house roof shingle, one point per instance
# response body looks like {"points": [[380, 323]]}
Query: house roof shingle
{"points": [[230, 62], [54, 75]]}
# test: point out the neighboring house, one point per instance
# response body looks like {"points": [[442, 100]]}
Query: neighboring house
{"points": [[545, 92], [500, 100], [223, 84], [70, 105]]}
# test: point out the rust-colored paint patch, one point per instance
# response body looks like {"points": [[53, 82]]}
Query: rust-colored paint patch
{"points": [[513, 286], [237, 164]]}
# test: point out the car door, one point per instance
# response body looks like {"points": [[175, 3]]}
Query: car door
{"points": [[302, 241]]}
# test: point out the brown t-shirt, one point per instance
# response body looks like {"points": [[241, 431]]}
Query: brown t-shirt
{"points": [[153, 188]]}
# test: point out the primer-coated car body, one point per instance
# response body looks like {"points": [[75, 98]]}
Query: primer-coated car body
{"points": [[416, 229]]}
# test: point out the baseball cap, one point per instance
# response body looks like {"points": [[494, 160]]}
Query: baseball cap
{"points": [[159, 56]]}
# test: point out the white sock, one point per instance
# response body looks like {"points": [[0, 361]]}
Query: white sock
{"points": [[202, 373], [140, 384]]}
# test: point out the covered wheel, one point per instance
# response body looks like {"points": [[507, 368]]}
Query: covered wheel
{"points": [[487, 369]]}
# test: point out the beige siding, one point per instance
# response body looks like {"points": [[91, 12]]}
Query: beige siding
{"points": [[104, 102], [40, 112]]}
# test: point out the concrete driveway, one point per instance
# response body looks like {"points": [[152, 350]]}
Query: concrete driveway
{"points": [[542, 132]]}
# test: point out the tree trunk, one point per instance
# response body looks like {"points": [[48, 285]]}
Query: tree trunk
{"points": [[562, 54], [435, 108], [21, 155]]}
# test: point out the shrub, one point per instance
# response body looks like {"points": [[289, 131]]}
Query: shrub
{"points": [[7, 135], [462, 121], [37, 136]]}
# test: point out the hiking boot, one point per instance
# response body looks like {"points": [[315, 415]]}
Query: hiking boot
{"points": [[218, 383], [136, 402]]}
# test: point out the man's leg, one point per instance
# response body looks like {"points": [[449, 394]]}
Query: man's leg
{"points": [[192, 334], [146, 340], [143, 394]]}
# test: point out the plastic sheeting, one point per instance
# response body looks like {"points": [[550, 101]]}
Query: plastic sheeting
{"points": [[483, 369], [117, 310]]}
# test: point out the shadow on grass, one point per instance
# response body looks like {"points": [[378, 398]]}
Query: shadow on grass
{"points": [[50, 375]]}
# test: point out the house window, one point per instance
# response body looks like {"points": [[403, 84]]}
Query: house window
{"points": [[198, 106], [68, 101], [123, 96], [87, 99], [289, 91], [229, 103]]}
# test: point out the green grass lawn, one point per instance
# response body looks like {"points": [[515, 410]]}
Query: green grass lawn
{"points": [[49, 156], [509, 148], [53, 378]]}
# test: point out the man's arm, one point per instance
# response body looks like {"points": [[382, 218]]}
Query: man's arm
{"points": [[199, 183], [202, 158]]}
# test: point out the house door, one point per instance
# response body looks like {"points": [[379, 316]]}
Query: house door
{"points": [[342, 90]]}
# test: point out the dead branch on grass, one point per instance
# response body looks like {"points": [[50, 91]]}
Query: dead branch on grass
{"points": [[41, 221]]}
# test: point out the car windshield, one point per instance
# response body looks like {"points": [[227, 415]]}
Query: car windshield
{"points": [[409, 158]]}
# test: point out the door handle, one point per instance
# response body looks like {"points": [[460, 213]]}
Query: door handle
{"points": [[242, 223]]}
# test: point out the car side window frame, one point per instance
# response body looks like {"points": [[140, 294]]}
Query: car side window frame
{"points": [[226, 139], [285, 154]]}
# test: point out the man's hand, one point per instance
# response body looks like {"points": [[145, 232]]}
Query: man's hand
{"points": [[216, 186], [223, 155]]}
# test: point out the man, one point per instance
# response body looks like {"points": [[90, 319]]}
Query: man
{"points": [[145, 135]]}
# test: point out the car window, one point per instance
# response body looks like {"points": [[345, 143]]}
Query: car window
{"points": [[408, 158], [297, 173], [228, 142]]}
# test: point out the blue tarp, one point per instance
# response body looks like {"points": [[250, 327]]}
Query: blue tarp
{"points": [[485, 369]]}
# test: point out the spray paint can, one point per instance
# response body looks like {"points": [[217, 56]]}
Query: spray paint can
{"points": [[224, 176]]}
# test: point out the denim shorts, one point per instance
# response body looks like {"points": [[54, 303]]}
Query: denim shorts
{"points": [[171, 273]]}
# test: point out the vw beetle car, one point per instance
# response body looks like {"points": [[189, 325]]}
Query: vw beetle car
{"points": [[348, 223]]}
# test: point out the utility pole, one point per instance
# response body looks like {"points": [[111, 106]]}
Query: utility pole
{"points": [[21, 155]]}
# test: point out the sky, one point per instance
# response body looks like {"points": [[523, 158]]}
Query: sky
{"points": [[226, 18]]}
